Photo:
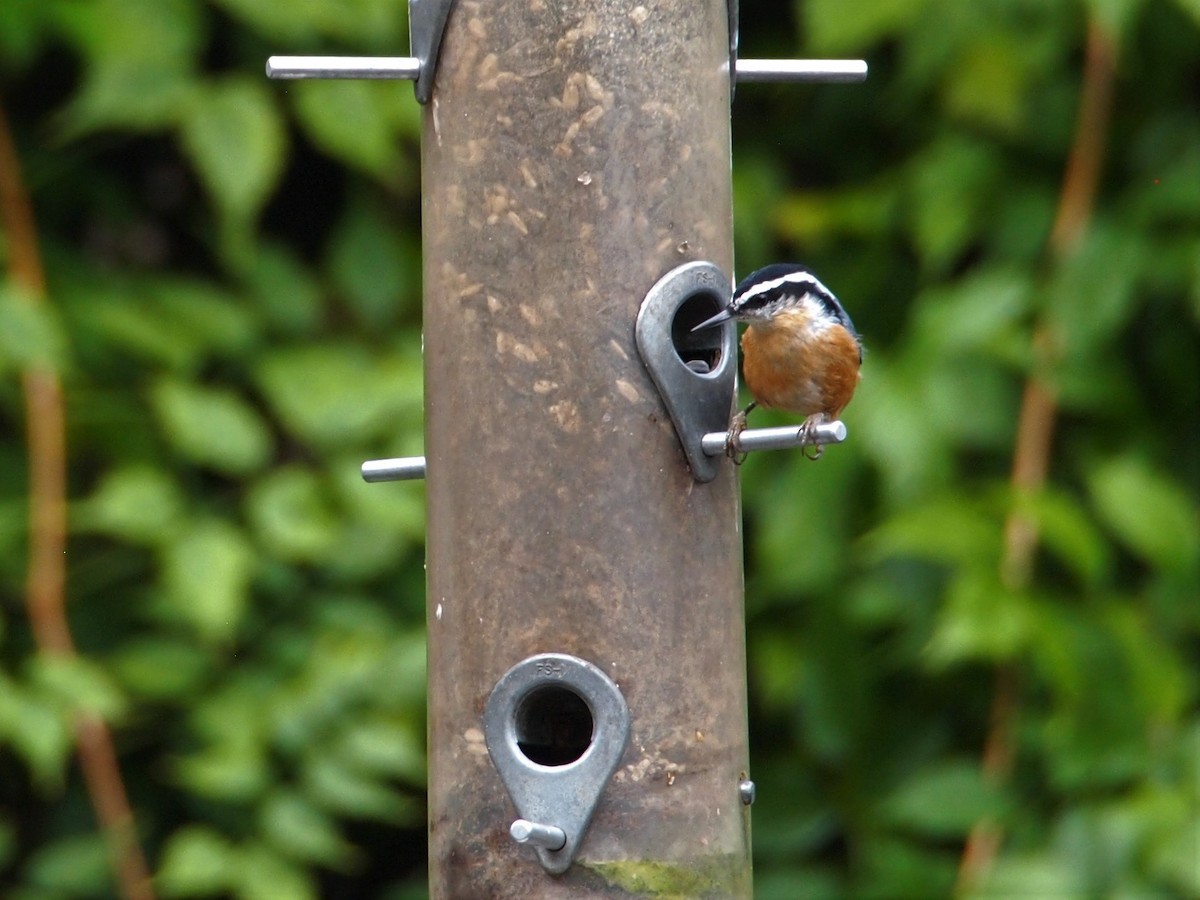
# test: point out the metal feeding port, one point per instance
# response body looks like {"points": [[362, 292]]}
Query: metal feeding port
{"points": [[556, 728], [695, 373]]}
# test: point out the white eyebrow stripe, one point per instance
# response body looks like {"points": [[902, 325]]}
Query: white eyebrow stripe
{"points": [[805, 279]]}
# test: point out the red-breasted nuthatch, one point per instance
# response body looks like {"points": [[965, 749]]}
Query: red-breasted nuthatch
{"points": [[800, 352]]}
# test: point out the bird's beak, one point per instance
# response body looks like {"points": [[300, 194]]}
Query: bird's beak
{"points": [[723, 316]]}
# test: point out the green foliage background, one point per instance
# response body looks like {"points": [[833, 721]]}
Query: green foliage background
{"points": [[234, 279]]}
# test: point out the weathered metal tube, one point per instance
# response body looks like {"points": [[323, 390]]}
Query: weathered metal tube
{"points": [[572, 154]]}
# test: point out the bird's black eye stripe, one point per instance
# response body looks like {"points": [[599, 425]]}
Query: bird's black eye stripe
{"points": [[760, 293]]}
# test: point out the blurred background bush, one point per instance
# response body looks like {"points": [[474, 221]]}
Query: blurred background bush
{"points": [[974, 629]]}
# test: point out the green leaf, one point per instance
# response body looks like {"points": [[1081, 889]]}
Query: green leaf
{"points": [[777, 669], [215, 319], [980, 620], [951, 193], [335, 394], [368, 264], [285, 290], [138, 503], [974, 312], [177, 321], [74, 866], [972, 402], [31, 335], [951, 529], [297, 21], [197, 860], [212, 427], [988, 85], [363, 552], [160, 668], [235, 137], [8, 834], [140, 55], [942, 801], [808, 216], [1191, 7], [229, 773], [834, 27], [887, 420], [37, 729], [1177, 826], [373, 22], [351, 121], [1117, 16], [134, 328], [1069, 534], [301, 831], [1095, 737], [290, 512], [1156, 676], [340, 789], [265, 875], [1093, 293], [22, 23], [206, 576], [825, 548], [1149, 512], [77, 686], [1031, 875], [796, 882], [392, 749]]}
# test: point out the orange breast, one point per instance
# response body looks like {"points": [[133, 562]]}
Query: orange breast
{"points": [[787, 366]]}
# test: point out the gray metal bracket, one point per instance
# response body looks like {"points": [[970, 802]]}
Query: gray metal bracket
{"points": [[537, 699], [826, 71], [695, 373], [734, 21], [426, 24]]}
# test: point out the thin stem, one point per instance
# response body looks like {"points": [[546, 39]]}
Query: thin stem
{"points": [[45, 586], [1035, 427]]}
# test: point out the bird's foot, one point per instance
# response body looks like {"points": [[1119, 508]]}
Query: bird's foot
{"points": [[808, 437], [733, 444]]}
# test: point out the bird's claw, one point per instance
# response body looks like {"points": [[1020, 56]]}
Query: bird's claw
{"points": [[807, 435], [733, 444]]}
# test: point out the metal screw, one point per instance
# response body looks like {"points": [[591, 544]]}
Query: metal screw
{"points": [[549, 836], [747, 790]]}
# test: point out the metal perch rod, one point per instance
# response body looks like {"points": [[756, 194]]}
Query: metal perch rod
{"points": [[412, 468], [785, 438], [404, 67], [793, 70], [408, 67], [405, 468]]}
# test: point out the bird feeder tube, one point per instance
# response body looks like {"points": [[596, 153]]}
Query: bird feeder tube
{"points": [[572, 154]]}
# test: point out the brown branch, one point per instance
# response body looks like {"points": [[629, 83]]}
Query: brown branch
{"points": [[45, 587], [1035, 426]]}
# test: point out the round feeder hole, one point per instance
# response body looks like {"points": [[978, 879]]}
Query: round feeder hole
{"points": [[700, 351], [554, 726]]}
